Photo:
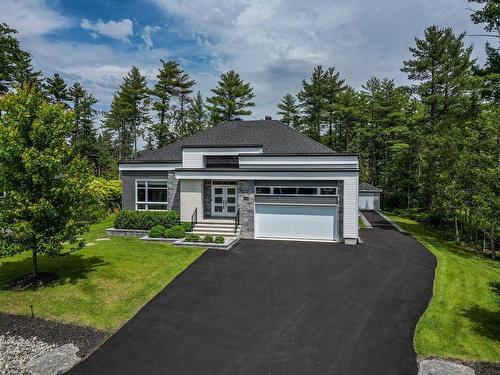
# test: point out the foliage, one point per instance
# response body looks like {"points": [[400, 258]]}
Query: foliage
{"points": [[49, 198], [192, 238], [197, 118], [108, 192], [289, 111], [102, 286], [231, 98], [83, 138], [15, 64], [462, 320], [145, 220], [177, 231], [157, 231], [219, 239], [129, 115], [56, 89], [208, 238]]}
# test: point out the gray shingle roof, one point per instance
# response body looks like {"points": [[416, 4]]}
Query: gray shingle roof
{"points": [[365, 186], [274, 136]]}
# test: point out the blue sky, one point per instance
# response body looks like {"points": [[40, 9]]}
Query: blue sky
{"points": [[274, 44]]}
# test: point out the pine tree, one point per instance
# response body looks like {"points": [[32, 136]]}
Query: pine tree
{"points": [[163, 92], [289, 111], [184, 85], [489, 15], [15, 64], [56, 89], [84, 138], [197, 118], [232, 98], [134, 104]]}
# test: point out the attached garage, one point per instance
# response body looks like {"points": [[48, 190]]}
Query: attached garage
{"points": [[291, 221]]}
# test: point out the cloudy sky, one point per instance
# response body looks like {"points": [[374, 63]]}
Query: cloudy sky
{"points": [[274, 44]]}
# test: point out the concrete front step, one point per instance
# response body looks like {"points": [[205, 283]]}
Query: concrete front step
{"points": [[214, 227], [225, 234]]}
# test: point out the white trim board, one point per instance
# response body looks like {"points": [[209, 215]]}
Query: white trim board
{"points": [[148, 166]]}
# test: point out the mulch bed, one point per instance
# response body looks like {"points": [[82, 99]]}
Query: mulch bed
{"points": [[87, 339], [28, 282]]}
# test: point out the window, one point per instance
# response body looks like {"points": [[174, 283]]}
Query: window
{"points": [[222, 161], [151, 195], [295, 190]]}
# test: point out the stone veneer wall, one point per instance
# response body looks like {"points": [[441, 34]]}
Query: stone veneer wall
{"points": [[246, 200], [207, 199], [173, 192]]}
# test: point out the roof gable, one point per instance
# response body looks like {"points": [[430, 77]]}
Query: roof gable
{"points": [[274, 137]]}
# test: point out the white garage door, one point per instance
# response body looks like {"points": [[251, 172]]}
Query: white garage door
{"points": [[295, 222], [366, 202]]}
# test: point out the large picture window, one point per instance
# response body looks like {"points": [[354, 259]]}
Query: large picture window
{"points": [[151, 195], [295, 190]]}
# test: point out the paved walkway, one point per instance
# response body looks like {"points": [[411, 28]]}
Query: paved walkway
{"points": [[279, 307]]}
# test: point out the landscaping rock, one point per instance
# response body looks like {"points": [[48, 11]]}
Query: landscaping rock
{"points": [[440, 367], [17, 351], [55, 361]]}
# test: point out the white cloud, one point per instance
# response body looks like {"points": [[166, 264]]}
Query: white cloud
{"points": [[31, 17], [274, 44], [121, 30], [146, 35]]}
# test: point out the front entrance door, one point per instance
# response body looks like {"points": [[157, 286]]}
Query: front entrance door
{"points": [[224, 200]]}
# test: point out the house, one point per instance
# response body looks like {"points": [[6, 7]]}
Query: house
{"points": [[262, 178], [369, 197]]}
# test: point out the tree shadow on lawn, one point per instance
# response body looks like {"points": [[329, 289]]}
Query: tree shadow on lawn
{"points": [[486, 322], [70, 268]]}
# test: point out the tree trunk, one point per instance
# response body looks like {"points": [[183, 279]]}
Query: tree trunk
{"points": [[492, 245], [457, 231], [35, 264]]}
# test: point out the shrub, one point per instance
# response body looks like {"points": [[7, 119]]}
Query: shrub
{"points": [[219, 239], [188, 227], [192, 238], [157, 231], [109, 193], [208, 239], [145, 220], [177, 231]]}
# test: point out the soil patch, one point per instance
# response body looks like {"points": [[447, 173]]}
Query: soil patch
{"points": [[29, 282], [87, 339]]}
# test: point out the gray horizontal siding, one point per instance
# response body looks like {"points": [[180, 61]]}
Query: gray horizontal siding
{"points": [[128, 187]]}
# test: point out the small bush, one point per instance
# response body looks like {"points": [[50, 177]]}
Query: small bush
{"points": [[145, 220], [188, 227], [208, 239], [108, 192], [157, 231], [177, 231], [219, 239], [192, 238]]}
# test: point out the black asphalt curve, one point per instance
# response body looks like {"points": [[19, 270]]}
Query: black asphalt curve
{"points": [[282, 307]]}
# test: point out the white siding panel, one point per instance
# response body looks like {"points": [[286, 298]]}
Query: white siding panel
{"points": [[191, 198], [302, 161], [351, 207]]}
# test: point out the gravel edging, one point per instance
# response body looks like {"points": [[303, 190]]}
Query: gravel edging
{"points": [[51, 332], [480, 368]]}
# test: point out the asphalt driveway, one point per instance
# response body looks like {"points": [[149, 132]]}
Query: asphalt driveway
{"points": [[274, 307]]}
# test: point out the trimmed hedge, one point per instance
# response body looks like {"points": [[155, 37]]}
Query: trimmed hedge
{"points": [[208, 238], [177, 231], [219, 239], [145, 220], [192, 238], [157, 231]]}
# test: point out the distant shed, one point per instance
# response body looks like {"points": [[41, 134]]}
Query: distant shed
{"points": [[369, 197]]}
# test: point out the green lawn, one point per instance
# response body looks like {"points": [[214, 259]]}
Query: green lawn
{"points": [[463, 318], [100, 286], [361, 223]]}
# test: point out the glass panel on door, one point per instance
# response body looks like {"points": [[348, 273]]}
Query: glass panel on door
{"points": [[224, 200]]}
